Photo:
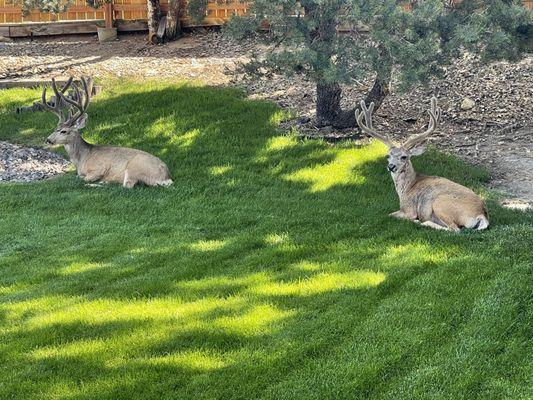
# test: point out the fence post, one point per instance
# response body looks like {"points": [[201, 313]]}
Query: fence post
{"points": [[108, 14]]}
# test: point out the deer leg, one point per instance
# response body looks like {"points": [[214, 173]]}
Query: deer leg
{"points": [[402, 215], [441, 218], [91, 176], [128, 182], [434, 225]]}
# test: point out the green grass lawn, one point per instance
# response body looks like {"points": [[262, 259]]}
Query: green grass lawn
{"points": [[269, 270]]}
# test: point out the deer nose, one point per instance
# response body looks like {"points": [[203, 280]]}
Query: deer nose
{"points": [[391, 167], [48, 141]]}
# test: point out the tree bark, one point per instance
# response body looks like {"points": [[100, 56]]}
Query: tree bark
{"points": [[173, 20], [328, 105], [154, 15]]}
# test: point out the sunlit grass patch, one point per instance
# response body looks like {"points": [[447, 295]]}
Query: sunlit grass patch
{"points": [[259, 320], [186, 139], [195, 360], [320, 283], [76, 268], [276, 239], [209, 245], [281, 143], [307, 266], [84, 348], [414, 253], [220, 169], [166, 126], [341, 171]]}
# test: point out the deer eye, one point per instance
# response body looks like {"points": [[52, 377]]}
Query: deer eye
{"points": [[404, 157]]}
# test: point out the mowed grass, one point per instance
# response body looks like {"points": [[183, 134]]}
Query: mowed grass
{"points": [[269, 270]]}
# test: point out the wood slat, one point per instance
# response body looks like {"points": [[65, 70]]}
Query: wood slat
{"points": [[54, 28]]}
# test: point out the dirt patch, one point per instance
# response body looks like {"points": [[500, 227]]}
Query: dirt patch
{"points": [[487, 111], [26, 164]]}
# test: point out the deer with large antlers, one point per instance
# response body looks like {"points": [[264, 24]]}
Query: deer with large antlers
{"points": [[433, 201], [98, 163]]}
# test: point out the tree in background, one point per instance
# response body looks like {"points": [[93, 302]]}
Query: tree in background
{"points": [[173, 28], [334, 42], [153, 16], [52, 6]]}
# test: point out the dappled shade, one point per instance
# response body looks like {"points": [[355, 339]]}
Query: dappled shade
{"points": [[268, 270]]}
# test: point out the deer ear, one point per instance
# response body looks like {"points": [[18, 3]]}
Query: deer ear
{"points": [[81, 121], [419, 149]]}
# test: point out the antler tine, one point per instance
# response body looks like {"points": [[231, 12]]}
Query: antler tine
{"points": [[368, 128], [81, 102], [56, 108], [87, 88], [434, 119]]}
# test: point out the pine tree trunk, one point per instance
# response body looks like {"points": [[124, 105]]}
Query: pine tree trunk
{"points": [[328, 105], [153, 17], [173, 21]]}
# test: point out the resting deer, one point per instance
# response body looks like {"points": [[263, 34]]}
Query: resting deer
{"points": [[433, 201], [98, 163]]}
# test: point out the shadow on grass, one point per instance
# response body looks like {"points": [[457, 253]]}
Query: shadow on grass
{"points": [[269, 268]]}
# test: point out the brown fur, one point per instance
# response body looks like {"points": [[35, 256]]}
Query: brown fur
{"points": [[435, 202], [116, 164], [440, 201], [98, 163]]}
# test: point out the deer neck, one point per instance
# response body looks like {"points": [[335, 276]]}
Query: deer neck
{"points": [[78, 150], [404, 179]]}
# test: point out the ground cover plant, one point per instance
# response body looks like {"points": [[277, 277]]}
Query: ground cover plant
{"points": [[270, 269]]}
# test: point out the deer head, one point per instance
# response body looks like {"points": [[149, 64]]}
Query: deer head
{"points": [[70, 108], [399, 156]]}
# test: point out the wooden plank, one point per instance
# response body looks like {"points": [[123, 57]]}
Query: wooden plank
{"points": [[27, 83], [129, 7], [131, 25], [4, 31], [54, 28], [10, 9]]}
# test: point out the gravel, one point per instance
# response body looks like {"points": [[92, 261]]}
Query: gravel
{"points": [[26, 164]]}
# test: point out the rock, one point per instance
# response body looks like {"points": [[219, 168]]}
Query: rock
{"points": [[467, 104]]}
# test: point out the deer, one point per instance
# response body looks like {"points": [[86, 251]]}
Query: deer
{"points": [[432, 201], [95, 163]]}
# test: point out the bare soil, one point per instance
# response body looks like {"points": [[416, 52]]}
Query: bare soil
{"points": [[497, 131]]}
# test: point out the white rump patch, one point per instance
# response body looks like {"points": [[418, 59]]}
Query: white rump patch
{"points": [[166, 182], [483, 222]]}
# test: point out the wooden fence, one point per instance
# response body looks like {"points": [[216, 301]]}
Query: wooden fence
{"points": [[218, 11], [129, 14]]}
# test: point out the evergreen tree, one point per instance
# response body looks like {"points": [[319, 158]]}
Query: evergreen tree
{"points": [[334, 42]]}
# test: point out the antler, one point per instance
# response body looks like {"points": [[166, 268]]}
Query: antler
{"points": [[367, 127], [68, 102], [434, 118], [56, 108], [81, 101]]}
